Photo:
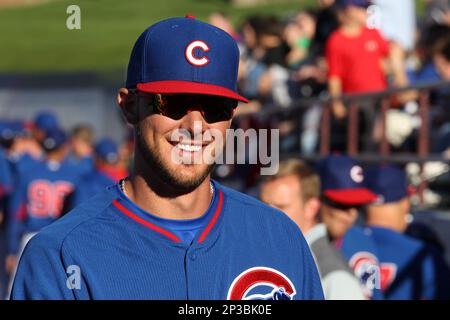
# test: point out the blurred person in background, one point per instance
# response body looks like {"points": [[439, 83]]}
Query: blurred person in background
{"points": [[81, 148], [8, 132], [295, 190], [356, 57], [222, 21], [327, 23], [43, 122], [437, 12], [441, 57], [440, 116], [410, 268], [39, 193], [299, 33], [397, 22], [82, 141], [106, 173], [343, 194]]}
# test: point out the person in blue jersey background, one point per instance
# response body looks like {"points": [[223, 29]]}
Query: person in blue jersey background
{"points": [[103, 175], [344, 193], [168, 231], [410, 268]]}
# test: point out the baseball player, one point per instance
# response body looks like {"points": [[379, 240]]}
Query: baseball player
{"points": [[168, 231], [410, 269], [295, 190], [105, 174], [38, 196], [7, 133], [344, 192]]}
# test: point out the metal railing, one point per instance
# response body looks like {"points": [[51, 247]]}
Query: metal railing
{"points": [[420, 156]]}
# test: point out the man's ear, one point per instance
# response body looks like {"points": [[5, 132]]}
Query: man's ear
{"points": [[127, 102], [312, 208]]}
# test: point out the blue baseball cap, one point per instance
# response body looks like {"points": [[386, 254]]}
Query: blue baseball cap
{"points": [[355, 3], [54, 139], [9, 129], [388, 182], [342, 180], [185, 55], [107, 150], [46, 120]]}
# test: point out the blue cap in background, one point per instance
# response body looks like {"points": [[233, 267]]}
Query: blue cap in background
{"points": [[46, 120], [9, 129], [342, 180], [54, 139], [107, 150], [185, 55], [388, 182]]}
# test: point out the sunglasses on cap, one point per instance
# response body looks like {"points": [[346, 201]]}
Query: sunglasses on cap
{"points": [[176, 106]]}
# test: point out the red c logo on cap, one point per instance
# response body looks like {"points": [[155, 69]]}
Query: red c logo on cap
{"points": [[189, 53]]}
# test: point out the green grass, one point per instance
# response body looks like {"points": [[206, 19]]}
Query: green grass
{"points": [[35, 39]]}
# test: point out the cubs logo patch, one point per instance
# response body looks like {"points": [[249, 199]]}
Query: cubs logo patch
{"points": [[388, 273], [356, 173], [261, 283], [190, 53]]}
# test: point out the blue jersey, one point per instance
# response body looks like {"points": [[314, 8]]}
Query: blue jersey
{"points": [[410, 268], [6, 182], [89, 185], [361, 252], [105, 249], [38, 198], [84, 165]]}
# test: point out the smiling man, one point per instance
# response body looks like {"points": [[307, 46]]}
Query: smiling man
{"points": [[168, 231]]}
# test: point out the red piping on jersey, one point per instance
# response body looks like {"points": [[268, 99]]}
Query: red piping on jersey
{"points": [[21, 213], [145, 223], [213, 220]]}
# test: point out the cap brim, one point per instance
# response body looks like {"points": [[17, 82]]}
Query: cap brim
{"points": [[170, 86], [358, 196]]}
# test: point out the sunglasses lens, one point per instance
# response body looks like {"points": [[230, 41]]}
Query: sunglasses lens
{"points": [[176, 106]]}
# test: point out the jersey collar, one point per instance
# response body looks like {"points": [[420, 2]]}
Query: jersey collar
{"points": [[129, 210]]}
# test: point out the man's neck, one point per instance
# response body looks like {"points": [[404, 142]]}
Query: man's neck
{"points": [[55, 156], [189, 205], [351, 29]]}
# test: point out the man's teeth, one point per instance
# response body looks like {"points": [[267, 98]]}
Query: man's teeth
{"points": [[188, 147]]}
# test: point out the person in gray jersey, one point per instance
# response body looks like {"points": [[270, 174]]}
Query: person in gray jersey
{"points": [[295, 190]]}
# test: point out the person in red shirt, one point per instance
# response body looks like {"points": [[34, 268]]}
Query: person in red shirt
{"points": [[355, 55]]}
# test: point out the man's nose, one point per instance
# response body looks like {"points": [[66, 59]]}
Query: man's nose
{"points": [[193, 121]]}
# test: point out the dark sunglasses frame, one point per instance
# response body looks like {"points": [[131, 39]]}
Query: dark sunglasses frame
{"points": [[177, 105]]}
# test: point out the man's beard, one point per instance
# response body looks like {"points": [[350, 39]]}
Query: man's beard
{"points": [[165, 174]]}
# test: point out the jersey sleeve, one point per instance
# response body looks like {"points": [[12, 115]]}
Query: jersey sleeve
{"points": [[41, 274], [334, 58]]}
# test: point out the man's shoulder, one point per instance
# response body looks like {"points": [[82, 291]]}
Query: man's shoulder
{"points": [[91, 211], [336, 37], [328, 257], [391, 236]]}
